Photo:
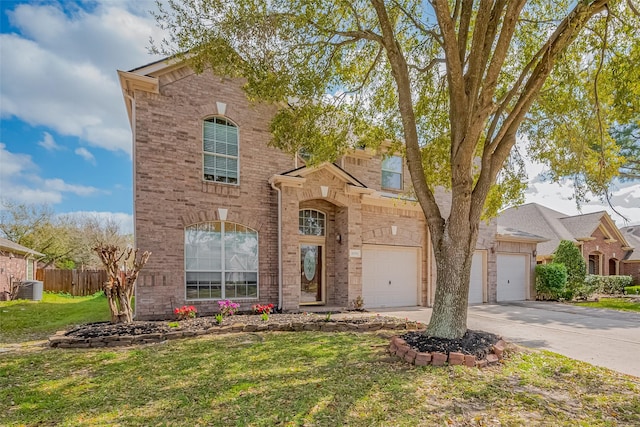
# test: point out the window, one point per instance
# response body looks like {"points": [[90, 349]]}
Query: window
{"points": [[311, 222], [221, 261], [392, 173], [29, 269], [220, 146]]}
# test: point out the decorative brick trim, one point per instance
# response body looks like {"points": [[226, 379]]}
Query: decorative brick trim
{"points": [[400, 348]]}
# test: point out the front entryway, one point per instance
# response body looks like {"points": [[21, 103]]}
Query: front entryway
{"points": [[390, 276], [311, 283]]}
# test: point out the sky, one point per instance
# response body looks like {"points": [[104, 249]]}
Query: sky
{"points": [[65, 139]]}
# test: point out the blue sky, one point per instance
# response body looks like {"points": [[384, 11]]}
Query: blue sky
{"points": [[64, 135]]}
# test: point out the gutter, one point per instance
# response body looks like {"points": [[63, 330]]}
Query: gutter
{"points": [[279, 191]]}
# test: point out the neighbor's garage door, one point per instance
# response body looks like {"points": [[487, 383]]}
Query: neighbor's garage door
{"points": [[512, 277], [477, 278], [390, 276]]}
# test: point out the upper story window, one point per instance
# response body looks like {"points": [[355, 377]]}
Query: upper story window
{"points": [[220, 146], [311, 222], [392, 173]]}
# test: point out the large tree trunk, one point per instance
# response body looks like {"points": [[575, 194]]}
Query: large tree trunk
{"points": [[453, 255]]}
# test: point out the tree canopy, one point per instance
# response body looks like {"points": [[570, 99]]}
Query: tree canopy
{"points": [[66, 241], [452, 84]]}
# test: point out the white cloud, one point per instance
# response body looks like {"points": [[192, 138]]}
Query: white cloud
{"points": [[86, 154], [625, 197], [49, 143], [60, 71], [19, 181]]}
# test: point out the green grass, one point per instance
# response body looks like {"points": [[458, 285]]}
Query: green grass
{"points": [[632, 290], [304, 378], [613, 303], [24, 320]]}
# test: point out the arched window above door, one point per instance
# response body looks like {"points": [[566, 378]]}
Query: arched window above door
{"points": [[311, 222]]}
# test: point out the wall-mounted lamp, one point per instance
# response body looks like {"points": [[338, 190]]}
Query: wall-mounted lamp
{"points": [[534, 253], [339, 238]]}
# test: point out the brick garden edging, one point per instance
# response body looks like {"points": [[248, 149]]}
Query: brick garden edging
{"points": [[61, 340], [400, 348]]}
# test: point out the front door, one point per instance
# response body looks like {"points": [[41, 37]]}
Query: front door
{"points": [[311, 283]]}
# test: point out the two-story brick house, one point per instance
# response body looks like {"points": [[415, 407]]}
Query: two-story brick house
{"points": [[229, 217]]}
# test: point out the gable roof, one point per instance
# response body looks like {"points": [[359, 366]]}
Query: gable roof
{"points": [[556, 226], [334, 169], [9, 246], [632, 235]]}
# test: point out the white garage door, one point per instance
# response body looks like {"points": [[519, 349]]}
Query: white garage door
{"points": [[512, 277], [477, 278], [390, 276]]}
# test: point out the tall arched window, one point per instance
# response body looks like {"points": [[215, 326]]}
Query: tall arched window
{"points": [[221, 261], [220, 147]]}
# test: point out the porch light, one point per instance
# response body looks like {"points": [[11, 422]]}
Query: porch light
{"points": [[339, 238]]}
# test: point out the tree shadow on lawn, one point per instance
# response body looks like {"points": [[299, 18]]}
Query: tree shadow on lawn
{"points": [[256, 379]]}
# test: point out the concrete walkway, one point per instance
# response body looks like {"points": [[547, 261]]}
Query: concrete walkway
{"points": [[601, 337]]}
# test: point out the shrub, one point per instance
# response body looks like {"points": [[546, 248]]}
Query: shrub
{"points": [[612, 285], [632, 290], [551, 280], [569, 255]]}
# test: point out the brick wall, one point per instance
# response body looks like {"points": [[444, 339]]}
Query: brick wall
{"points": [[170, 192], [13, 268]]}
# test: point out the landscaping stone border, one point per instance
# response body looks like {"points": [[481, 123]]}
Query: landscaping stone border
{"points": [[61, 340], [400, 348]]}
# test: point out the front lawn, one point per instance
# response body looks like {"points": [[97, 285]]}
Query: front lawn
{"points": [[613, 303], [303, 378], [24, 320]]}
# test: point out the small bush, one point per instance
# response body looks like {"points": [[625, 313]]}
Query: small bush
{"points": [[632, 290], [611, 285], [551, 280], [586, 290], [569, 255]]}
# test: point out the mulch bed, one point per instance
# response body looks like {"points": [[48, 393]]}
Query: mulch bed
{"points": [[475, 343], [104, 329]]}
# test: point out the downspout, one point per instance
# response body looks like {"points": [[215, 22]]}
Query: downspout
{"points": [[279, 191], [133, 162]]}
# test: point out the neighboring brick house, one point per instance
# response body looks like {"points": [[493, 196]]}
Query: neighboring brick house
{"points": [[605, 249], [226, 216], [17, 263], [631, 263]]}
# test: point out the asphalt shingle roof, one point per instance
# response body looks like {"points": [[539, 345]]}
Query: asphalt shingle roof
{"points": [[10, 246]]}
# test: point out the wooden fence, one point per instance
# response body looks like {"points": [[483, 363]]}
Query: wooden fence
{"points": [[74, 282]]}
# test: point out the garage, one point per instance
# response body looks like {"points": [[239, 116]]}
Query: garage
{"points": [[476, 285], [512, 277], [390, 276]]}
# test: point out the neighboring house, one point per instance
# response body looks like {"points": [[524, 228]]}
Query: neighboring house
{"points": [[17, 263], [631, 263], [227, 216], [605, 249]]}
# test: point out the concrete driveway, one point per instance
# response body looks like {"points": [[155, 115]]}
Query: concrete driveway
{"points": [[601, 337]]}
